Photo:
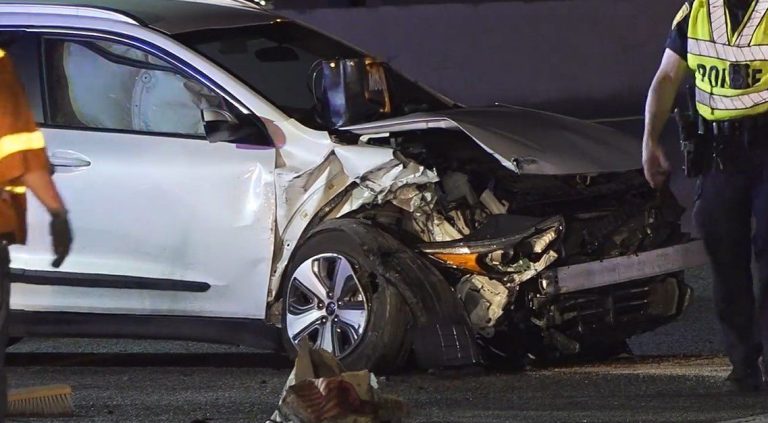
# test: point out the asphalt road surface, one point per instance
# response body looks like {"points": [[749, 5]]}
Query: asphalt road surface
{"points": [[627, 390], [649, 390], [675, 376]]}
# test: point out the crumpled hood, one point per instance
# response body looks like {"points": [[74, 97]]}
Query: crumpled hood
{"points": [[528, 141]]}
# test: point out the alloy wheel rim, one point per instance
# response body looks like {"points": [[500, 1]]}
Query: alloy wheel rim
{"points": [[325, 303]]}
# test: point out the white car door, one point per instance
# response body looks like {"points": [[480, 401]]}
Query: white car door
{"points": [[164, 221]]}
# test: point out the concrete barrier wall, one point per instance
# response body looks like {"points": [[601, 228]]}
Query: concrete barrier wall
{"points": [[586, 58]]}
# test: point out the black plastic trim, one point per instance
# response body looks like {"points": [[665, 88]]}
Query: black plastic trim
{"points": [[254, 333], [123, 131], [88, 280]]}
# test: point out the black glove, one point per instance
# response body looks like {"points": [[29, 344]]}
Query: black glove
{"points": [[61, 236]]}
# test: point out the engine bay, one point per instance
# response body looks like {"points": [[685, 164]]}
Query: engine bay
{"points": [[492, 233]]}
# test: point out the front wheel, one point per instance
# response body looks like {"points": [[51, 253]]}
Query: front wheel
{"points": [[335, 297]]}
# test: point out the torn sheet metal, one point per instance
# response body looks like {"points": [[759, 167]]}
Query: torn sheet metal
{"points": [[414, 197], [299, 200], [528, 141], [358, 160], [383, 184], [526, 269], [423, 220], [303, 195], [295, 190], [484, 300], [409, 186], [431, 226]]}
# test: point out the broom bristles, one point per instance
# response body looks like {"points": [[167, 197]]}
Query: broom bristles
{"points": [[52, 400]]}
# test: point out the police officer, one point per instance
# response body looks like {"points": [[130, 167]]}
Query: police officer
{"points": [[23, 164], [721, 44]]}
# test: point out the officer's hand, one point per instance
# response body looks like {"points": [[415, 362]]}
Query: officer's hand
{"points": [[61, 236], [655, 165]]}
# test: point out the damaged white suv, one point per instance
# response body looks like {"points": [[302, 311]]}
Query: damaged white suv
{"points": [[237, 177]]}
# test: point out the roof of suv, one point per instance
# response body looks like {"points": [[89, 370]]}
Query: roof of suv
{"points": [[170, 16]]}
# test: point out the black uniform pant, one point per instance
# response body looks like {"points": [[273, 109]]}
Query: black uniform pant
{"points": [[726, 202], [5, 291]]}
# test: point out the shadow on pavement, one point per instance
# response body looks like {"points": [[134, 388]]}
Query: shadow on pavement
{"points": [[216, 360]]}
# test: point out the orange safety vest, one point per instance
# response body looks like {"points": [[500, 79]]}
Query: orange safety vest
{"points": [[22, 149]]}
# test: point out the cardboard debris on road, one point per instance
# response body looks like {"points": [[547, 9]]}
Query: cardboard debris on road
{"points": [[319, 391]]}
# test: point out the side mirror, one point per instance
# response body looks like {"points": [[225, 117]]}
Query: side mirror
{"points": [[350, 91], [222, 126]]}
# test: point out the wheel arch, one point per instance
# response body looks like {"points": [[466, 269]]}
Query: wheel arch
{"points": [[442, 334]]}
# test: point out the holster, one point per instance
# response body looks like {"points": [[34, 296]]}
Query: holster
{"points": [[697, 151]]}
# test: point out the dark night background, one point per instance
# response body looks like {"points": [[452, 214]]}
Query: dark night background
{"points": [[586, 58]]}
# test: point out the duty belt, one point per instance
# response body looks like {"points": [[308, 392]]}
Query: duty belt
{"points": [[748, 126], [735, 144]]}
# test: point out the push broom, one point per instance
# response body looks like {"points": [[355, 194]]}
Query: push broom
{"points": [[41, 401]]}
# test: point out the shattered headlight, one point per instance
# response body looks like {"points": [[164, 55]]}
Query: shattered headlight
{"points": [[513, 258]]}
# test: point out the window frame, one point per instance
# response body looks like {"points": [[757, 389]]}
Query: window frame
{"points": [[75, 34]]}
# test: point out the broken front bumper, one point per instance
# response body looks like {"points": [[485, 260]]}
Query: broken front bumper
{"points": [[616, 270], [592, 305], [599, 318]]}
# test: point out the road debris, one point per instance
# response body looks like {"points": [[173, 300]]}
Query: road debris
{"points": [[319, 390]]}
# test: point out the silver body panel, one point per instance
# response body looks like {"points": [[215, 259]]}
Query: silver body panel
{"points": [[528, 141], [647, 264]]}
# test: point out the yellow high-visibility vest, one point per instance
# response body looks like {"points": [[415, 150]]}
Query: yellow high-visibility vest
{"points": [[730, 64]]}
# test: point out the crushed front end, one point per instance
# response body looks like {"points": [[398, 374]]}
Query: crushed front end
{"points": [[545, 287], [543, 225], [546, 265]]}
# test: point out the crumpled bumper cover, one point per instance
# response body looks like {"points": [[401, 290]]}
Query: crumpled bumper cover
{"points": [[616, 270], [608, 314], [604, 302]]}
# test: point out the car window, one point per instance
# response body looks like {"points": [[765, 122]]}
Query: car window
{"points": [[22, 48], [278, 61], [108, 85], [275, 60]]}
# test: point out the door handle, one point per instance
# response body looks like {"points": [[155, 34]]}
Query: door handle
{"points": [[68, 159]]}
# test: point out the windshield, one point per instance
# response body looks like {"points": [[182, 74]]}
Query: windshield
{"points": [[275, 60]]}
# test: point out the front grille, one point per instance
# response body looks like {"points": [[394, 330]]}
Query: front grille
{"points": [[640, 223], [626, 308]]}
